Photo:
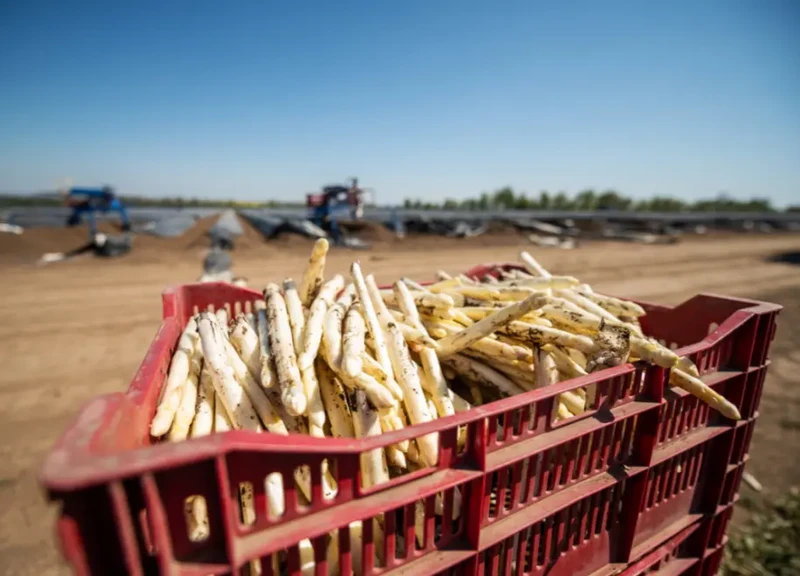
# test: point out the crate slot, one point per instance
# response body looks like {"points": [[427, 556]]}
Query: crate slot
{"points": [[682, 413], [247, 504], [545, 546], [730, 486], [741, 442], [668, 479], [303, 558], [719, 524]]}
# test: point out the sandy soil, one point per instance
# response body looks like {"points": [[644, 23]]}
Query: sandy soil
{"points": [[74, 330]]}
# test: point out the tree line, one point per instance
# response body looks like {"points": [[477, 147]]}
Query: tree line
{"points": [[502, 199], [591, 200]]}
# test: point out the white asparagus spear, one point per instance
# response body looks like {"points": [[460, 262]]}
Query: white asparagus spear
{"points": [[422, 299], [533, 266], [566, 365], [639, 342], [562, 414], [247, 503], [366, 423], [237, 404], [460, 404], [312, 335], [222, 423], [459, 340], [371, 367], [353, 344], [442, 275], [476, 313], [186, 409], [245, 340], [270, 414], [533, 334], [275, 498], [196, 513], [591, 307], [483, 375], [247, 374], [413, 396], [573, 401], [395, 456], [312, 277], [297, 314], [615, 306], [315, 410], [266, 370], [698, 388], [335, 401], [280, 339], [178, 373], [378, 395], [203, 423], [390, 420], [297, 321], [544, 369], [373, 325], [332, 329], [585, 322], [433, 381], [410, 333], [416, 338]]}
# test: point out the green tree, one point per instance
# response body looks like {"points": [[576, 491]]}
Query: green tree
{"points": [[522, 202], [611, 200], [562, 201], [504, 198], [544, 200], [586, 200]]}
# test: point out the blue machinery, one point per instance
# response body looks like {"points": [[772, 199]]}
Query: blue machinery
{"points": [[87, 202], [335, 201]]}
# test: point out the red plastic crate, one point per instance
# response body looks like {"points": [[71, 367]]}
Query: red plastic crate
{"points": [[677, 555], [520, 474], [693, 549]]}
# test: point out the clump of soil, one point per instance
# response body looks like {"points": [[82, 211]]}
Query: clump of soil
{"points": [[371, 232]]}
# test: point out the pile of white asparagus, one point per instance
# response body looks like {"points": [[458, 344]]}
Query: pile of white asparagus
{"points": [[343, 358]]}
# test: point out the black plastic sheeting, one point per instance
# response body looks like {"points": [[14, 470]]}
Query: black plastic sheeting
{"points": [[114, 246], [169, 227], [449, 228], [271, 226], [227, 225]]}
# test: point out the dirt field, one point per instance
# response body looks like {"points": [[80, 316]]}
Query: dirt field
{"points": [[78, 329]]}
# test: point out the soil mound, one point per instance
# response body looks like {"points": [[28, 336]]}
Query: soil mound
{"points": [[372, 232]]}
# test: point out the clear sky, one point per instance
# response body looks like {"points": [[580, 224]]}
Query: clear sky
{"points": [[430, 99]]}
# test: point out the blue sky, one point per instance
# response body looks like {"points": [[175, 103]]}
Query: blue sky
{"points": [[269, 100]]}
